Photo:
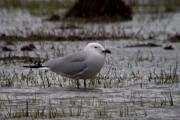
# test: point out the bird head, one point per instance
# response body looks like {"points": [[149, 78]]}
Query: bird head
{"points": [[98, 48]]}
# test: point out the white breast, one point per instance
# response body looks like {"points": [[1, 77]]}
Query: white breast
{"points": [[95, 62]]}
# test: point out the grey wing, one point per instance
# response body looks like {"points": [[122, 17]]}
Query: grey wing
{"points": [[69, 65]]}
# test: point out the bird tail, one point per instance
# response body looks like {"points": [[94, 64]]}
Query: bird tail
{"points": [[36, 65]]}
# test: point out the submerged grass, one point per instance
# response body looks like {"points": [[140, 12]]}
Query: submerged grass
{"points": [[164, 77]]}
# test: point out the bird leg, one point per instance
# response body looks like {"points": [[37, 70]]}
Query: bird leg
{"points": [[77, 83], [85, 83]]}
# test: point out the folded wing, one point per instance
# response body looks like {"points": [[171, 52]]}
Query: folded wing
{"points": [[70, 65]]}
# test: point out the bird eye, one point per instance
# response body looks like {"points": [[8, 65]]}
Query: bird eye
{"points": [[95, 47]]}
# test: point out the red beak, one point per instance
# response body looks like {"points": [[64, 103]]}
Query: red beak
{"points": [[107, 51]]}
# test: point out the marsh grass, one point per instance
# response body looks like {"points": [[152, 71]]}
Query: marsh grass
{"points": [[6, 80], [109, 78], [35, 7], [165, 77], [159, 6], [12, 58], [141, 56], [79, 107], [27, 109]]}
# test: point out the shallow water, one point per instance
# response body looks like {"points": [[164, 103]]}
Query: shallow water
{"points": [[133, 84]]}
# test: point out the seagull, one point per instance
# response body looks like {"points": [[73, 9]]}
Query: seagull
{"points": [[84, 64]]}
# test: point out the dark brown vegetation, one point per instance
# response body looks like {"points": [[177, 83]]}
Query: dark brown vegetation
{"points": [[45, 37], [100, 9], [29, 47], [143, 45], [175, 38], [168, 47]]}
